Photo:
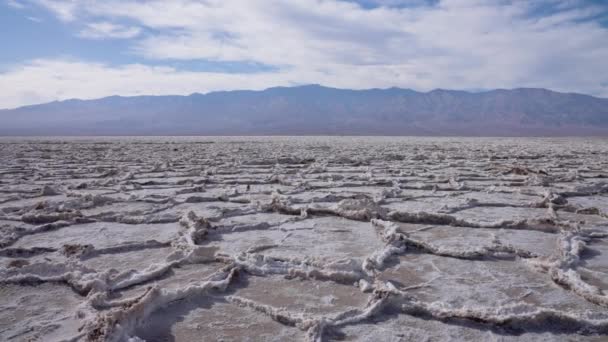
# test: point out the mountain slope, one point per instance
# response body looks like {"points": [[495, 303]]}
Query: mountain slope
{"points": [[315, 109]]}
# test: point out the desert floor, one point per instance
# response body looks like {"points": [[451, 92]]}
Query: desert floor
{"points": [[307, 238]]}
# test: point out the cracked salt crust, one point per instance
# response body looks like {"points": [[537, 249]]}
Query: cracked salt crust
{"points": [[274, 239]]}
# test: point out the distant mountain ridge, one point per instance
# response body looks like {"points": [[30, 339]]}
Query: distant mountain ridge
{"points": [[318, 110]]}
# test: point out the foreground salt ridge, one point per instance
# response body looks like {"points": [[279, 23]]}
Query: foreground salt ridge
{"points": [[296, 198]]}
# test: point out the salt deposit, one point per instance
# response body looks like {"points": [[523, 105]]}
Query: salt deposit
{"points": [[312, 239]]}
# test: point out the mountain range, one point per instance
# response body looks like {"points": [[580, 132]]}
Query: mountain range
{"points": [[318, 110]]}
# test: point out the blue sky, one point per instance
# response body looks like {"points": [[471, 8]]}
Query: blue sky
{"points": [[60, 49]]}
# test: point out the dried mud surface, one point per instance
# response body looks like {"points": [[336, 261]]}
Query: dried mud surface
{"points": [[311, 239]]}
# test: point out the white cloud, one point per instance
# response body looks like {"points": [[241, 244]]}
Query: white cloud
{"points": [[396, 3], [105, 30], [14, 4], [472, 44], [65, 10]]}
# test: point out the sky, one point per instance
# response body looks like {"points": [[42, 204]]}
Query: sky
{"points": [[63, 49]]}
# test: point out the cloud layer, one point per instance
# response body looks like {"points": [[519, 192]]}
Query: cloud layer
{"points": [[419, 44]]}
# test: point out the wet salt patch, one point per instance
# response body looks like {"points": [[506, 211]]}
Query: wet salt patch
{"points": [[178, 277], [313, 298], [152, 191], [244, 177], [512, 199], [100, 235], [253, 169], [585, 221], [92, 192], [8, 197], [207, 210], [271, 219], [412, 206], [489, 283], [537, 242], [320, 184], [234, 243], [330, 239], [84, 177], [214, 320], [14, 223], [400, 328], [412, 227], [153, 176], [342, 169], [327, 239], [248, 197], [18, 188], [594, 269], [424, 185], [128, 208], [31, 202], [600, 202], [119, 196], [269, 188], [351, 191], [136, 260], [489, 215], [323, 204], [456, 237], [413, 193], [17, 261], [517, 189], [486, 183], [158, 177], [210, 194], [44, 312]]}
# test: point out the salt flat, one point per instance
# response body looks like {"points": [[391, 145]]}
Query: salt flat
{"points": [[303, 238]]}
